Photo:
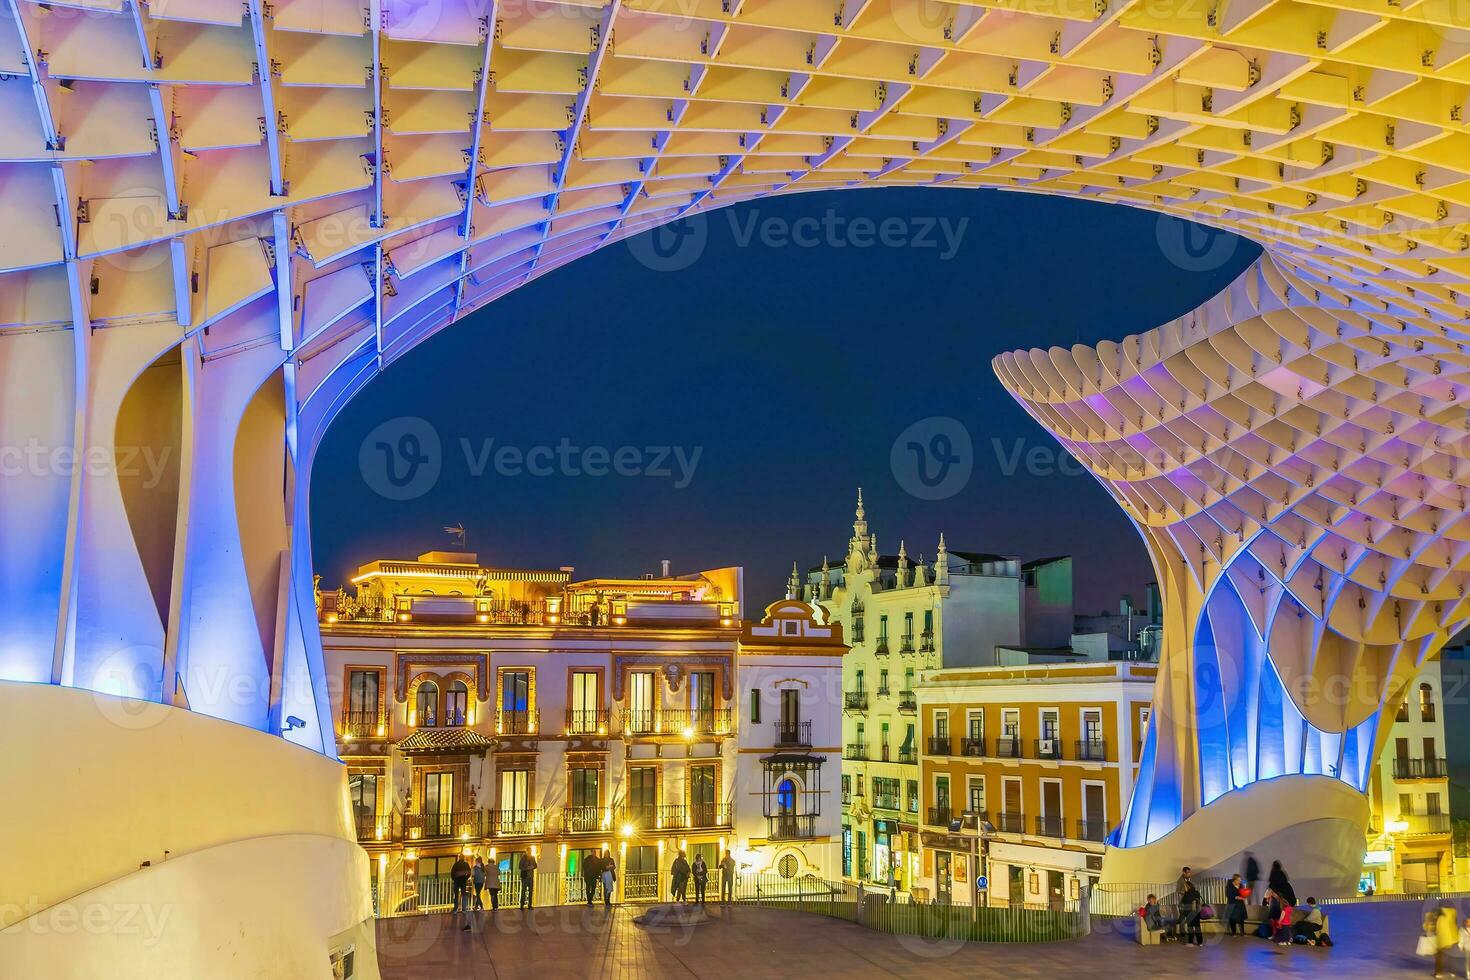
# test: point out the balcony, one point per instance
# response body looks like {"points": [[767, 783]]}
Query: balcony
{"points": [[373, 827], [926, 641], [973, 747], [1092, 750], [907, 702], [588, 819], [1420, 823], [857, 630], [855, 701], [694, 816], [1051, 826], [1049, 748], [794, 734], [791, 826], [939, 816], [640, 885], [1010, 823], [686, 722], [884, 691], [644, 816], [881, 647], [445, 825], [518, 823], [908, 757], [906, 646], [515, 722], [587, 721], [887, 801], [938, 745], [1008, 747], [1405, 768], [1092, 830], [363, 724], [855, 750]]}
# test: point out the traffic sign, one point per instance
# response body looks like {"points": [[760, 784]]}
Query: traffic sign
{"points": [[982, 883]]}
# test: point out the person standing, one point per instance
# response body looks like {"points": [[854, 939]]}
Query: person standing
{"points": [[492, 883], [1189, 909], [609, 878], [591, 875], [528, 880], [478, 877], [1280, 884], [727, 878], [680, 875], [1234, 907], [1446, 935], [459, 875], [1252, 873], [700, 870]]}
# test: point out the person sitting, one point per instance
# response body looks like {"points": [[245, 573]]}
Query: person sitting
{"points": [[1311, 923], [1268, 928], [1151, 914]]}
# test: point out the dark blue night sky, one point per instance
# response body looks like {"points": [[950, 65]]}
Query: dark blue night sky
{"points": [[789, 357]]}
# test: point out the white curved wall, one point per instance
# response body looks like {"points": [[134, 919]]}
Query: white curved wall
{"points": [[1313, 825], [254, 867]]}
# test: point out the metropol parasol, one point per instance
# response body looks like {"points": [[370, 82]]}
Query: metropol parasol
{"points": [[223, 219]]}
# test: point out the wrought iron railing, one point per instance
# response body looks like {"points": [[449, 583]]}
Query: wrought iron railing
{"points": [[515, 721], [1092, 750], [791, 826], [1008, 747], [938, 745], [1431, 768], [587, 721], [364, 724], [794, 733]]}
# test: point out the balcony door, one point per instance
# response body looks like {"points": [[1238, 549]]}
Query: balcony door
{"points": [[1051, 807], [362, 787], [438, 802], [790, 710], [640, 700], [702, 792], [585, 798], [643, 797], [1092, 726], [1094, 810], [515, 794], [702, 700], [362, 695], [515, 701], [585, 702]]}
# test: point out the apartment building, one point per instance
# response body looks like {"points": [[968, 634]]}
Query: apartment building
{"points": [[903, 617], [1023, 773], [1410, 833], [507, 711]]}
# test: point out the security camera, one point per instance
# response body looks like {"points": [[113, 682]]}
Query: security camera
{"points": [[293, 722]]}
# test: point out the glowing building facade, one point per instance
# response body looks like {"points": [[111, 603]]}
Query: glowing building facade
{"points": [[223, 219]]}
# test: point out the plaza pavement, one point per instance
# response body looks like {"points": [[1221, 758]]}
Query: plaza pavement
{"points": [[739, 942]]}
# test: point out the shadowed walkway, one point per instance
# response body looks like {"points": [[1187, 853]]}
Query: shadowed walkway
{"points": [[742, 941]]}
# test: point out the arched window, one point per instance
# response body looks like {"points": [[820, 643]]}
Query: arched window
{"points": [[1426, 703], [427, 704], [456, 703], [786, 797]]}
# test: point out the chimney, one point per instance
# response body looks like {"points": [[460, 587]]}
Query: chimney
{"points": [[665, 566]]}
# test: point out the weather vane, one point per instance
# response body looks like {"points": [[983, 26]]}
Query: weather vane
{"points": [[456, 533]]}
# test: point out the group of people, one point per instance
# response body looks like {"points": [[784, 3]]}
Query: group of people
{"points": [[484, 878], [471, 881], [682, 871], [1443, 931], [1279, 923], [599, 868]]}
